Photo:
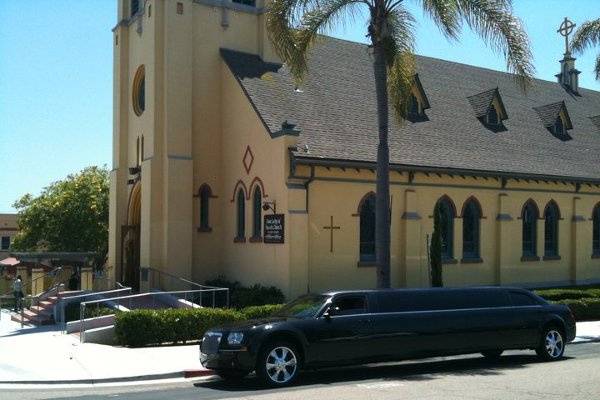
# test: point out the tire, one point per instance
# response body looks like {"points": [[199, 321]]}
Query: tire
{"points": [[552, 344], [232, 375], [492, 354], [278, 364]]}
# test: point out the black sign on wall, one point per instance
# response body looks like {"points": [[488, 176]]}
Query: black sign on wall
{"points": [[274, 231]]}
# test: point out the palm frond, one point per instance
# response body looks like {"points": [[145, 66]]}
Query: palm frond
{"points": [[588, 34], [401, 75], [398, 45], [494, 22], [597, 68], [445, 14], [294, 25]]}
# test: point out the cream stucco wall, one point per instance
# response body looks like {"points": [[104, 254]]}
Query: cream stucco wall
{"points": [[196, 128]]}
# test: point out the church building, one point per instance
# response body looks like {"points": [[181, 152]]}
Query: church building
{"points": [[222, 166]]}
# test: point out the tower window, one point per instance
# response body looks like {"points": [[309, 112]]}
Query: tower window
{"points": [[205, 195], [257, 214], [135, 7], [241, 216], [139, 91]]}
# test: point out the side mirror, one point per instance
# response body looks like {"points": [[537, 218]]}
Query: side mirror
{"points": [[331, 312]]}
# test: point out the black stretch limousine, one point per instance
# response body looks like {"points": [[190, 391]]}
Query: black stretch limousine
{"points": [[353, 327]]}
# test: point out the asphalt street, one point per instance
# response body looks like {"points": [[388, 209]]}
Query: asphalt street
{"points": [[517, 375]]}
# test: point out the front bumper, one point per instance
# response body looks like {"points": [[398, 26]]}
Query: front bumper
{"points": [[228, 360]]}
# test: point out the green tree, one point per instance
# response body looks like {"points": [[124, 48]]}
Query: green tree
{"points": [[435, 251], [294, 26], [69, 215], [588, 35]]}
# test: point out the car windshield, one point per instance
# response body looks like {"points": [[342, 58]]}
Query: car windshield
{"points": [[305, 306]]}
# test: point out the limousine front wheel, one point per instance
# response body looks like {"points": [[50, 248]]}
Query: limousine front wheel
{"points": [[278, 364], [552, 346]]}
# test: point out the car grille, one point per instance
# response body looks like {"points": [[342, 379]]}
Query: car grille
{"points": [[210, 342]]}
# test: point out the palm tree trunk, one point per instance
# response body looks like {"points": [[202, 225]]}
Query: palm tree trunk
{"points": [[382, 205]]}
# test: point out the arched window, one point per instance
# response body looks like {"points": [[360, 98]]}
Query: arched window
{"points": [[492, 116], [241, 215], [257, 213], [471, 229], [447, 212], [551, 216], [139, 91], [529, 215], [205, 194], [367, 228], [596, 229]]}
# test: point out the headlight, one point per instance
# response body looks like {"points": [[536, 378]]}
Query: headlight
{"points": [[235, 338]]}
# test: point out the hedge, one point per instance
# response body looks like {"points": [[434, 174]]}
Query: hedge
{"points": [[242, 296], [257, 312], [583, 309], [569, 294], [145, 327]]}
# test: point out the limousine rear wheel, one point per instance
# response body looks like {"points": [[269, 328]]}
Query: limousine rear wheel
{"points": [[278, 363], [552, 346]]}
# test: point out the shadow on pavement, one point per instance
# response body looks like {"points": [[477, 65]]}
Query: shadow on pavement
{"points": [[406, 371]]}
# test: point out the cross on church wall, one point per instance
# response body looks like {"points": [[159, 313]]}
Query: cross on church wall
{"points": [[331, 228]]}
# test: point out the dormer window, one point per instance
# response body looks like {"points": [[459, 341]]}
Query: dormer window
{"points": [[559, 127], [492, 116], [251, 3], [555, 118], [417, 102], [489, 109], [413, 106]]}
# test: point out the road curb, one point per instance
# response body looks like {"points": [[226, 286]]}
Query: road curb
{"points": [[584, 341], [125, 379]]}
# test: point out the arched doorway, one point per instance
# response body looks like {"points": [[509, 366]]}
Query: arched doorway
{"points": [[130, 240]]}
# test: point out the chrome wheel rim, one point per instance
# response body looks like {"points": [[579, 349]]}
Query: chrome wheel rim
{"points": [[281, 364], [554, 343]]}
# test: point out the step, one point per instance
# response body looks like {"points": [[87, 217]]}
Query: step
{"points": [[32, 321], [42, 310]]}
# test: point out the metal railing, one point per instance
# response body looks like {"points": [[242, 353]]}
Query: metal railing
{"points": [[185, 298], [63, 302]]}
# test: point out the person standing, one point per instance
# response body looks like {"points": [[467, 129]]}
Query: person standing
{"points": [[18, 293]]}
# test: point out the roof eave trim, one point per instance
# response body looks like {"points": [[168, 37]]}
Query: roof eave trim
{"points": [[330, 162]]}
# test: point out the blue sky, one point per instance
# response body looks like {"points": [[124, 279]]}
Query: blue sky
{"points": [[56, 78]]}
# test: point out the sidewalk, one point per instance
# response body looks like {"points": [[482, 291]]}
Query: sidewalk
{"points": [[46, 356]]}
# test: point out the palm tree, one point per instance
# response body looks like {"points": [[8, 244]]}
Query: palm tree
{"points": [[588, 35], [294, 26]]}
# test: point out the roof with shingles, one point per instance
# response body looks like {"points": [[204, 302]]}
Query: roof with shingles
{"points": [[336, 115]]}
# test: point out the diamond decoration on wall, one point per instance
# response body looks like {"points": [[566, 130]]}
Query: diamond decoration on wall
{"points": [[248, 159]]}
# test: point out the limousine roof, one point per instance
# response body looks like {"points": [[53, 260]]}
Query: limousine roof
{"points": [[362, 291]]}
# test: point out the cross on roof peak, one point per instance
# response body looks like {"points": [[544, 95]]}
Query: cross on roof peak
{"points": [[565, 29]]}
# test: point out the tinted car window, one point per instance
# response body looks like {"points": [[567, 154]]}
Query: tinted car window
{"points": [[305, 306], [435, 300], [523, 299], [349, 305]]}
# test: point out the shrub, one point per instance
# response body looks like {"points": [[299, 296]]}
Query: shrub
{"points": [[569, 294], [143, 327], [257, 312], [255, 295], [72, 312], [583, 309]]}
